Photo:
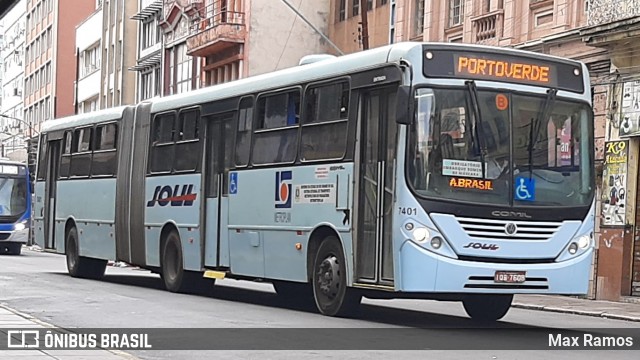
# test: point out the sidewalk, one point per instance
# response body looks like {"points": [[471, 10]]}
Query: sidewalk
{"points": [[629, 311], [12, 319]]}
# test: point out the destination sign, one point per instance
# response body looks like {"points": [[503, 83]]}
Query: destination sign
{"points": [[9, 169], [477, 67], [494, 65]]}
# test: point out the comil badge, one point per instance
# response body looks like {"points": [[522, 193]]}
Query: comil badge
{"points": [[283, 189]]}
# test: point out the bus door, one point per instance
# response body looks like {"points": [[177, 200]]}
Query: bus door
{"points": [[377, 152], [219, 146], [52, 163]]}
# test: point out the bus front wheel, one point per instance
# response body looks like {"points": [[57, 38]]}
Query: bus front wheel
{"points": [[80, 266], [330, 291], [487, 308]]}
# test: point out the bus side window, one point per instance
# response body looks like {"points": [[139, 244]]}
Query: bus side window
{"points": [[42, 159], [65, 160], [276, 135], [187, 148], [243, 135], [104, 156], [81, 153], [325, 121], [162, 143]]}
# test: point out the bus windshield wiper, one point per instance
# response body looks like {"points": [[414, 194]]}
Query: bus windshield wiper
{"points": [[477, 143], [534, 125]]}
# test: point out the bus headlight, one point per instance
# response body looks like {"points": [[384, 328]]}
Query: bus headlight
{"points": [[420, 234], [584, 241], [436, 242], [576, 247], [573, 248], [20, 226]]}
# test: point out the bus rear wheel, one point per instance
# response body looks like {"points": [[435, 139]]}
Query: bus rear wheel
{"points": [[175, 277], [330, 291], [487, 308], [80, 266]]}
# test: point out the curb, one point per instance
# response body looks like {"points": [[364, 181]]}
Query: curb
{"points": [[46, 324], [592, 313]]}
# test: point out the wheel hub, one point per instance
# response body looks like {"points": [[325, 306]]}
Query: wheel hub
{"points": [[329, 277]]}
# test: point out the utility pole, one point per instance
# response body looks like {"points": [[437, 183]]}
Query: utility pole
{"points": [[365, 28]]}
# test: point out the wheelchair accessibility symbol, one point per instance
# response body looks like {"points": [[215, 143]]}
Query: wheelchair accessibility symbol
{"points": [[525, 189], [233, 183]]}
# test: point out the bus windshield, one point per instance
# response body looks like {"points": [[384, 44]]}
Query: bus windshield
{"points": [[13, 196], [501, 148]]}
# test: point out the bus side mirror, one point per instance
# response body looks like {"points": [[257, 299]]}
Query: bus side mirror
{"points": [[404, 111]]}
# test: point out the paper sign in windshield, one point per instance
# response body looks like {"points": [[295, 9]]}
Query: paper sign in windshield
{"points": [[462, 168]]}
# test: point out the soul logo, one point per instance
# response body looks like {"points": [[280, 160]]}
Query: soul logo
{"points": [[179, 195]]}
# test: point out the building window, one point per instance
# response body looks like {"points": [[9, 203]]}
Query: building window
{"points": [[342, 9], [150, 83], [355, 8], [149, 34], [419, 17], [180, 67], [543, 18], [90, 61], [456, 12]]}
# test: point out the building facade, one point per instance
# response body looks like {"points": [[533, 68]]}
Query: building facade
{"points": [[119, 44], [613, 27], [89, 54], [50, 59], [346, 20], [149, 49], [208, 42], [12, 79]]}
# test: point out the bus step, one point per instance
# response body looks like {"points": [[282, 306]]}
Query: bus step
{"points": [[212, 274]]}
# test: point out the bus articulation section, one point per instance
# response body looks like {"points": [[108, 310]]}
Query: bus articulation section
{"points": [[421, 170]]}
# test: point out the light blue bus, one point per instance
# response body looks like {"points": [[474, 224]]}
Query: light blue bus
{"points": [[15, 206], [420, 170]]}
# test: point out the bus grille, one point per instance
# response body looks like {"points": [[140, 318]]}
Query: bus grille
{"points": [[487, 282], [4, 236], [497, 229]]}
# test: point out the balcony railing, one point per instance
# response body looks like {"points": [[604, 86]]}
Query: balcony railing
{"points": [[488, 26], [216, 14], [607, 11], [219, 24]]}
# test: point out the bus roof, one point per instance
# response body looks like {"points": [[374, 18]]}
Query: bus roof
{"points": [[332, 67], [4, 161], [287, 77], [83, 119]]}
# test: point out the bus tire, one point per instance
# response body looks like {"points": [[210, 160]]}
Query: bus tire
{"points": [[15, 248], [80, 266], [294, 293], [176, 278], [329, 279], [487, 308]]}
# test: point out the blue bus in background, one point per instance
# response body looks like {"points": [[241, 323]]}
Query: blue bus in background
{"points": [[15, 206]]}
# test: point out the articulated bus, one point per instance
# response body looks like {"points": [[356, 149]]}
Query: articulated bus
{"points": [[418, 170], [15, 206]]}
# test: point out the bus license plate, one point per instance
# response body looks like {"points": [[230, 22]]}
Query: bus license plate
{"points": [[509, 276]]}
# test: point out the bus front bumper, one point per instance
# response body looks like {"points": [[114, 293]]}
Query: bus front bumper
{"points": [[16, 236], [424, 271]]}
